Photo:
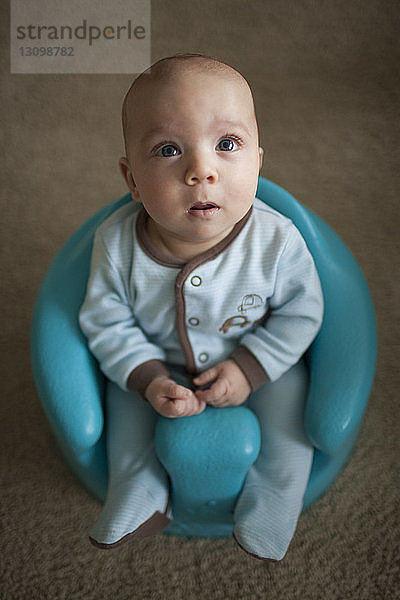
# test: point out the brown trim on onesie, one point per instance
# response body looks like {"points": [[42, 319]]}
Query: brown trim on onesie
{"points": [[185, 269]]}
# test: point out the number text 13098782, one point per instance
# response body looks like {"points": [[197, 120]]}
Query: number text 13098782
{"points": [[46, 51]]}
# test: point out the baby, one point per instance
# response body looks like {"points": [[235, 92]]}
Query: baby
{"points": [[200, 294]]}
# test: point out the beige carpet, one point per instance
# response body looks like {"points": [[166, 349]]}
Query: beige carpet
{"points": [[326, 82]]}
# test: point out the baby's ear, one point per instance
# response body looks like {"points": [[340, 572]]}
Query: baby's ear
{"points": [[128, 176], [260, 156]]}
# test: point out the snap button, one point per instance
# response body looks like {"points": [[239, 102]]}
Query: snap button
{"points": [[203, 357], [195, 281], [194, 321]]}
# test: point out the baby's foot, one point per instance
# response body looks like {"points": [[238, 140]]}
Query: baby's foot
{"points": [[154, 525], [256, 545], [130, 514], [265, 523], [252, 554]]}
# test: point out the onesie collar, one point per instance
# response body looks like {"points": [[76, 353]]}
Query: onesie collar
{"points": [[155, 254]]}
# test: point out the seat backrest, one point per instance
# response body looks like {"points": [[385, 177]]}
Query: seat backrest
{"points": [[342, 358]]}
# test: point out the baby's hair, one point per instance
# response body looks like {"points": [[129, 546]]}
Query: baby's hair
{"points": [[165, 67]]}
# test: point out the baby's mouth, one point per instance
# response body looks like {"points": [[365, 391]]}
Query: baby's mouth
{"points": [[203, 209]]}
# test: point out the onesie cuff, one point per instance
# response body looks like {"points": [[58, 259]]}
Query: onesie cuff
{"points": [[254, 372], [144, 374]]}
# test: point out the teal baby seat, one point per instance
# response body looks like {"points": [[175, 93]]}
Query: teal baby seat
{"points": [[207, 456]]}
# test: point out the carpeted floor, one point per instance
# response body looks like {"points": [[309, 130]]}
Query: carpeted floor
{"points": [[326, 82]]}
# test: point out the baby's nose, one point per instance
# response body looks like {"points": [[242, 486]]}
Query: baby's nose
{"points": [[200, 171]]}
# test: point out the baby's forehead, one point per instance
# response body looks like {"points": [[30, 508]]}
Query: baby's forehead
{"points": [[181, 74]]}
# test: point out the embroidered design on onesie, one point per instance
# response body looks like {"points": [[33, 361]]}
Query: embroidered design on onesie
{"points": [[236, 321], [248, 302]]}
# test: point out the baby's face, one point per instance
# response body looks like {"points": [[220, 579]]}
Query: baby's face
{"points": [[193, 158]]}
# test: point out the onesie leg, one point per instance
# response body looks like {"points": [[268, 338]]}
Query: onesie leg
{"points": [[137, 499], [268, 509]]}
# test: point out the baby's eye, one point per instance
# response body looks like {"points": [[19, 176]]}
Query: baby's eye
{"points": [[227, 145], [168, 150]]}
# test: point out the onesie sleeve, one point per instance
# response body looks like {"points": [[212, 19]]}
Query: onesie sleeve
{"points": [[294, 318], [108, 321]]}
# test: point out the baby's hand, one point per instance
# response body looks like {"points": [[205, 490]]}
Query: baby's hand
{"points": [[172, 400], [230, 386]]}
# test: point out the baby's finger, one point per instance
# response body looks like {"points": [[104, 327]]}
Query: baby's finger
{"points": [[168, 408], [178, 408], [206, 377], [190, 407], [178, 392], [216, 394], [196, 406]]}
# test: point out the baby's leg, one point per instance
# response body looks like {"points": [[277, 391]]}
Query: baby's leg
{"points": [[137, 497], [267, 511]]}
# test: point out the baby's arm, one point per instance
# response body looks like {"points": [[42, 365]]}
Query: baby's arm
{"points": [[230, 386], [172, 400], [107, 318], [295, 315]]}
